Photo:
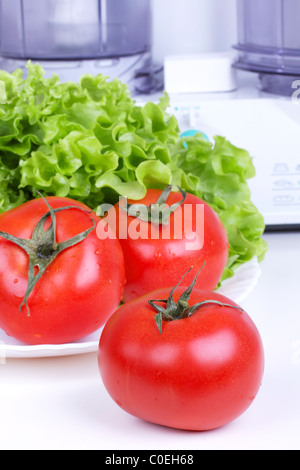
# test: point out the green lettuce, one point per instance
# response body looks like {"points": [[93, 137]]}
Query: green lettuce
{"points": [[90, 141], [218, 174]]}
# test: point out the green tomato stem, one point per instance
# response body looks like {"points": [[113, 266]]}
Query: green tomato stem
{"points": [[158, 213], [43, 248], [181, 309]]}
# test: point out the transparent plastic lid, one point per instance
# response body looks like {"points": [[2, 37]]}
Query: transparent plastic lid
{"points": [[269, 36], [74, 29]]}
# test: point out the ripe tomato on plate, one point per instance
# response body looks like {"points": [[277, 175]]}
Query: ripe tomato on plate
{"points": [[192, 362], [79, 288], [160, 255]]}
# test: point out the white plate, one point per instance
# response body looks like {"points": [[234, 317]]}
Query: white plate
{"points": [[236, 289], [244, 281]]}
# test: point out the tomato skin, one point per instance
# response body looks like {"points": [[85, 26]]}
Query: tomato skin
{"points": [[81, 288], [150, 263], [200, 374]]}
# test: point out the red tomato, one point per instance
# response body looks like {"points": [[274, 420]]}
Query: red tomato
{"points": [[199, 374], [79, 290], [159, 262]]}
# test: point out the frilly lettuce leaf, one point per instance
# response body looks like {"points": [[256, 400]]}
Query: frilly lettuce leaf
{"points": [[218, 174], [91, 142]]}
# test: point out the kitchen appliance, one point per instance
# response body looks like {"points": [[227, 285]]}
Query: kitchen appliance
{"points": [[72, 37], [268, 128], [269, 42], [262, 115]]}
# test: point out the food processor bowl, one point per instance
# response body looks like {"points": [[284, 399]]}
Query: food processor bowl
{"points": [[74, 29], [269, 42], [68, 36]]}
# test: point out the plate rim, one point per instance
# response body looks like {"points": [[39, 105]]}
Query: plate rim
{"points": [[19, 351]]}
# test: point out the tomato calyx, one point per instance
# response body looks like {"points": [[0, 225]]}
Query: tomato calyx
{"points": [[158, 213], [43, 248], [181, 309]]}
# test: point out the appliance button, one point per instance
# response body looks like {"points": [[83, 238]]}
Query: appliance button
{"points": [[281, 168], [284, 184], [284, 199]]}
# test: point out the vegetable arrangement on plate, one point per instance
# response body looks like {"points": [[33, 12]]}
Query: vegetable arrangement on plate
{"points": [[184, 357], [91, 142]]}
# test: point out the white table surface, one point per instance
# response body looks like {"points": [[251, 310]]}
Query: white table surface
{"points": [[60, 403]]}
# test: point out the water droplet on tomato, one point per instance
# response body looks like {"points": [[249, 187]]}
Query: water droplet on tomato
{"points": [[16, 281]]}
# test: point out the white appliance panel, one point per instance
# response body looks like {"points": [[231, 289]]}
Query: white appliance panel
{"points": [[270, 130]]}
